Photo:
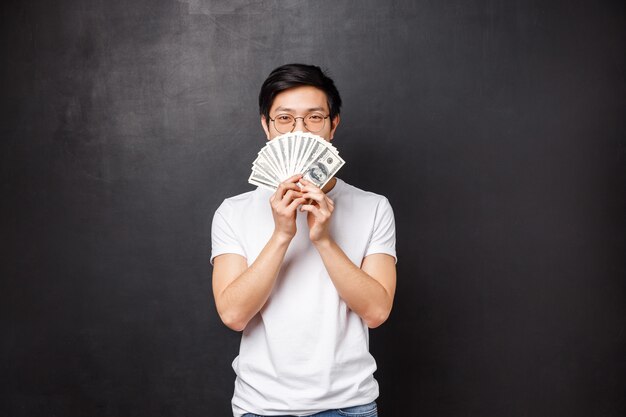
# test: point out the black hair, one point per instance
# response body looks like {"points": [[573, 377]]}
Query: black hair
{"points": [[296, 75]]}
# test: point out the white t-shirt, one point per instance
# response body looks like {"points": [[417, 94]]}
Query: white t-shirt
{"points": [[305, 351]]}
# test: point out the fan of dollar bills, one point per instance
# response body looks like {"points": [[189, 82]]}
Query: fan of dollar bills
{"points": [[295, 153]]}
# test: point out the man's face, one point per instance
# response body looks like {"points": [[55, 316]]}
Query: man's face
{"points": [[298, 102]]}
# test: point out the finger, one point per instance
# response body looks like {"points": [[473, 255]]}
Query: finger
{"points": [[278, 194], [294, 178], [310, 208], [295, 203], [312, 189], [320, 211], [283, 187], [289, 196], [319, 203], [319, 198], [287, 186], [309, 186]]}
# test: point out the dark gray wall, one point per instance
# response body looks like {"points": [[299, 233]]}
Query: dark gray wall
{"points": [[495, 128]]}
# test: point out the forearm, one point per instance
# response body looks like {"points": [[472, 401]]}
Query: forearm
{"points": [[247, 294], [362, 293]]}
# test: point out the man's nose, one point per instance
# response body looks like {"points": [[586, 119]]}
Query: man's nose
{"points": [[301, 120]]}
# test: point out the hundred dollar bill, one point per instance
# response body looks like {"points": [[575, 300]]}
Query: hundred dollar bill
{"points": [[323, 168], [315, 149], [263, 166], [274, 152], [256, 178]]}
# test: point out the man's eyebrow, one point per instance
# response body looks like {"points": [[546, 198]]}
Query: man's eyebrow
{"points": [[280, 108]]}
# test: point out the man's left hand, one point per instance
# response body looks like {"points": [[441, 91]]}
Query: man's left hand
{"points": [[320, 209]]}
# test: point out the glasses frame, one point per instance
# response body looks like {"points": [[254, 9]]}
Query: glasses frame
{"points": [[303, 122]]}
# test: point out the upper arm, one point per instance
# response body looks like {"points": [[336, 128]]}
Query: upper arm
{"points": [[227, 253], [383, 237], [382, 268], [226, 268], [380, 257]]}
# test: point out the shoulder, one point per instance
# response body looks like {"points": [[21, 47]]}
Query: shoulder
{"points": [[232, 205], [240, 198], [361, 196]]}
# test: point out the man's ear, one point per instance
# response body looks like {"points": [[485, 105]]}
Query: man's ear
{"points": [[265, 127], [333, 127]]}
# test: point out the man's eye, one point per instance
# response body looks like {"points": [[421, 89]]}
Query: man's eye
{"points": [[315, 117], [283, 118]]}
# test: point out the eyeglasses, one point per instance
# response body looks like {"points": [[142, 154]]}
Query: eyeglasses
{"points": [[285, 123]]}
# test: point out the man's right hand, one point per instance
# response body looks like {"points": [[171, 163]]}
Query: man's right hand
{"points": [[285, 202]]}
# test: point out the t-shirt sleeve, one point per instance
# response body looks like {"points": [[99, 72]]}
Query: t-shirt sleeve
{"points": [[223, 238], [383, 238]]}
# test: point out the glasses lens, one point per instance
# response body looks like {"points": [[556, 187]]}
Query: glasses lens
{"points": [[284, 123], [314, 122]]}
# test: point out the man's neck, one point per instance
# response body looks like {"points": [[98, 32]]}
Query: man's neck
{"points": [[329, 185]]}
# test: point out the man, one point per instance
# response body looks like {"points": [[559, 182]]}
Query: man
{"points": [[304, 272]]}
